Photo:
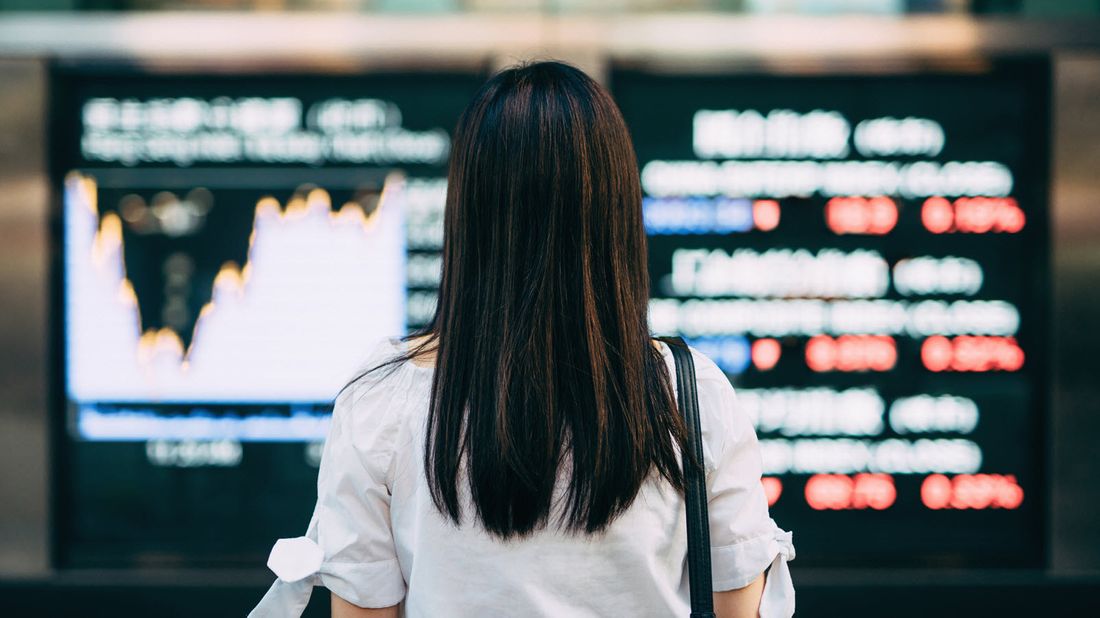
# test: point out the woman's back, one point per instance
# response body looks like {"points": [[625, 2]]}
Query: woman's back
{"points": [[534, 467], [384, 541]]}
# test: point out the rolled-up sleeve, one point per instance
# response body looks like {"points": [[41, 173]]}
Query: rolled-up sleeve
{"points": [[745, 540], [348, 546]]}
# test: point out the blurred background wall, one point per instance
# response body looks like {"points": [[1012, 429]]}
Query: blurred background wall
{"points": [[23, 208]]}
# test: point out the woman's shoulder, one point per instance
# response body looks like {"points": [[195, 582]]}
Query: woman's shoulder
{"points": [[705, 368], [382, 362], [707, 373], [371, 408], [723, 422]]}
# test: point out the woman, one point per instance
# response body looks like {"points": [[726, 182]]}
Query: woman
{"points": [[519, 457]]}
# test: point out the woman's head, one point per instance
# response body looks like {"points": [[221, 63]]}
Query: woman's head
{"points": [[544, 185], [543, 356]]}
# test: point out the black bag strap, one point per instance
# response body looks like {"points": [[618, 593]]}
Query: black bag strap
{"points": [[695, 488]]}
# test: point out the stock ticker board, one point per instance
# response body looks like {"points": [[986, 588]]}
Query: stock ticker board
{"points": [[232, 247], [863, 256], [866, 258]]}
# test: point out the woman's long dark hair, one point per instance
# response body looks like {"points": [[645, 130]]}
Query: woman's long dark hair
{"points": [[543, 353]]}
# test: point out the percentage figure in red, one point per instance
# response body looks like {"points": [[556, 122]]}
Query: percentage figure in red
{"points": [[773, 488], [971, 353], [971, 491], [765, 353], [765, 214], [836, 492], [851, 353], [972, 215], [861, 215]]}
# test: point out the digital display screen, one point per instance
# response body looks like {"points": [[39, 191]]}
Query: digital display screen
{"points": [[864, 256], [866, 259], [232, 248]]}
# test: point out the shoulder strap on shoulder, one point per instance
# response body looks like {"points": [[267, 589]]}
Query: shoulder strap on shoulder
{"points": [[695, 494]]}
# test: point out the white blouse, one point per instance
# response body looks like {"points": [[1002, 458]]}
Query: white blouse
{"points": [[375, 539]]}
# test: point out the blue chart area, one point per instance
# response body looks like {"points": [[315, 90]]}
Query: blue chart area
{"points": [[290, 325]]}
